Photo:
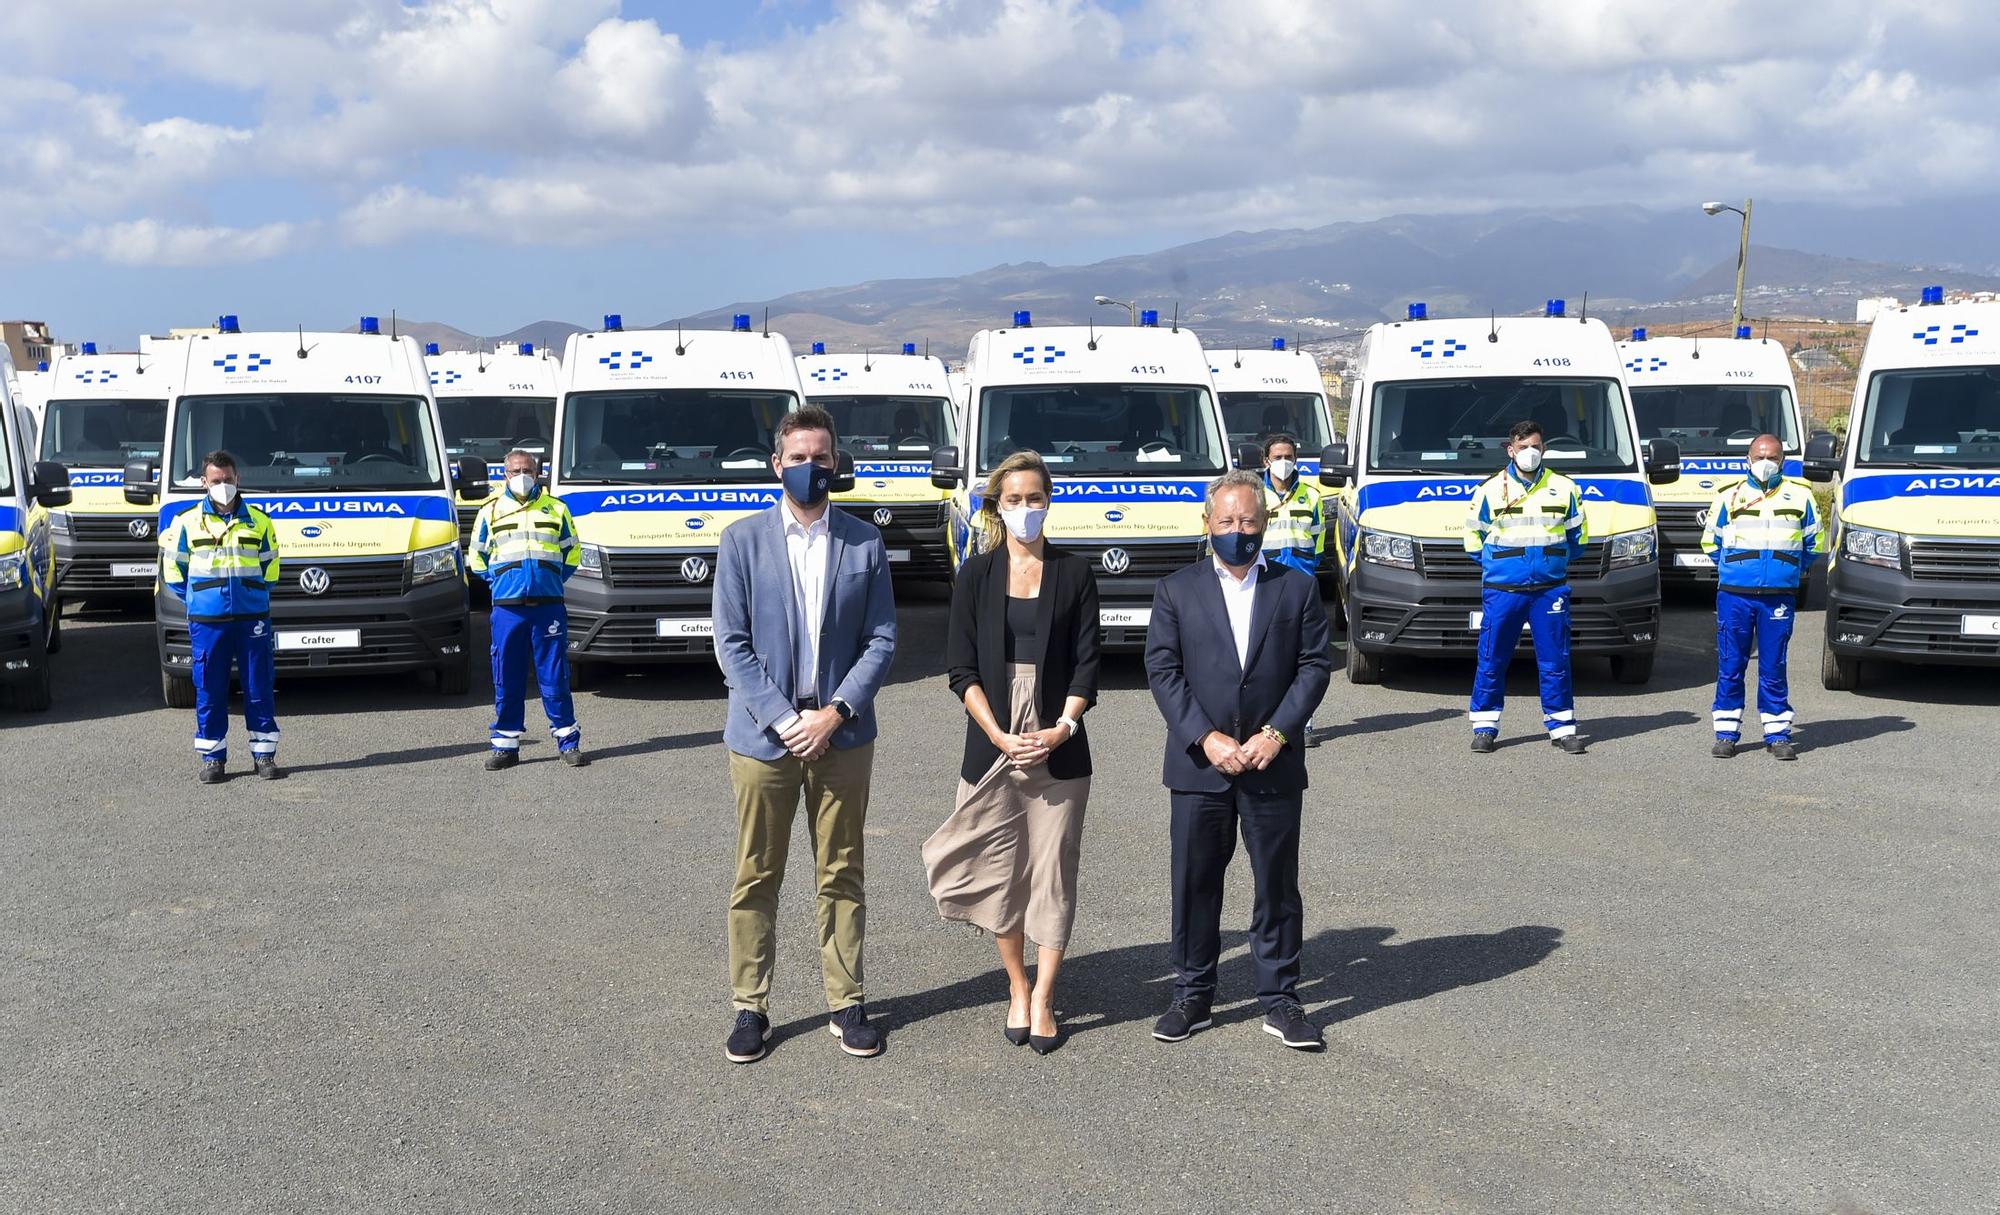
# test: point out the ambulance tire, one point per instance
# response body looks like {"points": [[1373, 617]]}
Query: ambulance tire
{"points": [[580, 675], [454, 678], [32, 695], [55, 627], [1836, 672], [1632, 669], [1361, 667], [177, 690]]}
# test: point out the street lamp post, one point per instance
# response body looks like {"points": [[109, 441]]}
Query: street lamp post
{"points": [[1742, 254], [1131, 310]]}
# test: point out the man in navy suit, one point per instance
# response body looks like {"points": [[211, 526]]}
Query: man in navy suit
{"points": [[805, 628], [1237, 657]]}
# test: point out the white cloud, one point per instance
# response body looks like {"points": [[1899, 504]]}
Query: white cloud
{"points": [[146, 242]]}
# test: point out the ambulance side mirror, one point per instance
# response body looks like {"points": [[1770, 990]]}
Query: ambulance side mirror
{"points": [[946, 471], [843, 473], [469, 477], [1663, 461], [1250, 456], [1336, 465], [142, 482], [51, 484], [1822, 456]]}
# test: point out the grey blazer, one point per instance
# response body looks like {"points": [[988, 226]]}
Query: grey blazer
{"points": [[754, 629]]}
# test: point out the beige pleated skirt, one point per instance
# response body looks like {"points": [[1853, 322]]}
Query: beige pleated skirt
{"points": [[1006, 859]]}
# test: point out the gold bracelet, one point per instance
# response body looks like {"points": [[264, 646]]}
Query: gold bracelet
{"points": [[1274, 732]]}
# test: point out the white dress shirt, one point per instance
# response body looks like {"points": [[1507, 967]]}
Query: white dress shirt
{"points": [[1239, 595], [809, 548]]}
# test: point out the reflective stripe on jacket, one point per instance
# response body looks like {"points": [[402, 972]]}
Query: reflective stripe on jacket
{"points": [[1763, 539], [525, 550], [221, 566], [1296, 534], [1525, 535]]}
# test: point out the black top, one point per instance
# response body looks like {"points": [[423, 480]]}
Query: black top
{"points": [[1023, 643], [1065, 627]]}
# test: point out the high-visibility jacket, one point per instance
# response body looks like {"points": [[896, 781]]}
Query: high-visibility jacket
{"points": [[1526, 533], [222, 566], [1296, 534], [525, 550], [1763, 537]]}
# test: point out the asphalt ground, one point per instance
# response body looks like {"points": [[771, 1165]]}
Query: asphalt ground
{"points": [[1637, 980]]}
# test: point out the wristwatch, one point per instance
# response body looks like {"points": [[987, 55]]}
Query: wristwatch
{"points": [[841, 707], [1275, 733]]}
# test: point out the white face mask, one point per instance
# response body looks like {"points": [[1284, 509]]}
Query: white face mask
{"points": [[1528, 459], [1282, 469], [223, 494], [1763, 470], [1024, 523], [521, 485]]}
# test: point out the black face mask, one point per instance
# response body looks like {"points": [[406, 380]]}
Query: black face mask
{"points": [[1237, 548]]}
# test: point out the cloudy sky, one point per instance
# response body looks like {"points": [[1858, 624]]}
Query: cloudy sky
{"points": [[493, 162]]}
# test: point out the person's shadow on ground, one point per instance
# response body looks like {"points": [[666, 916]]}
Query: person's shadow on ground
{"points": [[1344, 973]]}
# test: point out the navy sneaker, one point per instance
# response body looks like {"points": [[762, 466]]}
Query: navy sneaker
{"points": [[749, 1041], [1287, 1022], [1184, 1016], [857, 1037]]}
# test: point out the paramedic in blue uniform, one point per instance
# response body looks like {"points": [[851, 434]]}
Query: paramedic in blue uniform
{"points": [[524, 545], [1525, 524], [221, 561], [1764, 533]]}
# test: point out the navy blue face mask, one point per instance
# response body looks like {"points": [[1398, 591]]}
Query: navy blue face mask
{"points": [[807, 484], [1237, 548]]}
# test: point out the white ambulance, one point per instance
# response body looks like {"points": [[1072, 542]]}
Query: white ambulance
{"points": [[892, 411], [336, 437], [663, 439], [100, 413], [1274, 391], [30, 604], [1433, 405], [1711, 397], [1915, 574], [492, 403], [1127, 420]]}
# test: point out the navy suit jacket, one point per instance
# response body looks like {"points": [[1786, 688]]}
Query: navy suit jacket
{"points": [[754, 623], [1199, 686]]}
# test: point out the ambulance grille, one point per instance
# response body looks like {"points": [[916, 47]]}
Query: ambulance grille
{"points": [[1955, 560]]}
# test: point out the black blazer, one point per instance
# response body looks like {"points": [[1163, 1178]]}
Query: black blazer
{"points": [[1191, 665], [976, 651]]}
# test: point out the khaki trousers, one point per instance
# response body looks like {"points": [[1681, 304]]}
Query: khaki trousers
{"points": [[835, 788]]}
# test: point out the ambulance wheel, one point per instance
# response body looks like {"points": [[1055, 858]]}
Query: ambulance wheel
{"points": [[177, 690], [1632, 668], [55, 627], [579, 675], [1836, 672], [31, 695], [1362, 667], [454, 678]]}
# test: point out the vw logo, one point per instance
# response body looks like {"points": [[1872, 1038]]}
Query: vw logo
{"points": [[1116, 561], [313, 580], [884, 516], [139, 529], [695, 569]]}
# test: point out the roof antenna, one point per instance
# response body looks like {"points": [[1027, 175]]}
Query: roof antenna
{"points": [[1177, 316], [1766, 335], [481, 344], [927, 348], [1087, 321], [867, 360], [1492, 325], [1298, 341], [680, 345], [1697, 346], [1238, 364], [140, 367], [767, 320], [392, 324], [304, 349]]}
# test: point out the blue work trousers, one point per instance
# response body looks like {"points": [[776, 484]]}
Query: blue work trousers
{"points": [[247, 644], [531, 637], [1546, 613], [1740, 621]]}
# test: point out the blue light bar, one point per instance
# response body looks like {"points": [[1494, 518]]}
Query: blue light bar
{"points": [[909, 347], [42, 366], [613, 323], [1554, 308], [1742, 331], [1420, 311], [1149, 317], [226, 323], [1639, 334], [1022, 320], [1932, 295], [1277, 343], [430, 350], [819, 347], [371, 324], [740, 323], [88, 348], [526, 348]]}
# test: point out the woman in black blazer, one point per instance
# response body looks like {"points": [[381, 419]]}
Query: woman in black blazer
{"points": [[1022, 653]]}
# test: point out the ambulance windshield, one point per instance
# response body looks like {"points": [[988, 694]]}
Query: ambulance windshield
{"points": [[1252, 416], [1947, 418], [310, 442], [1461, 426], [103, 433], [1099, 428], [487, 428], [1715, 419], [658, 436], [890, 427]]}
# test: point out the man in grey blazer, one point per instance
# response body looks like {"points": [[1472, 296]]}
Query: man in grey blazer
{"points": [[805, 628]]}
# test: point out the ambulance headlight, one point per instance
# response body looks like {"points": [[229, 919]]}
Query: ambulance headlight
{"points": [[13, 571], [590, 562], [1385, 549], [1633, 548], [1872, 547], [59, 522], [431, 564]]}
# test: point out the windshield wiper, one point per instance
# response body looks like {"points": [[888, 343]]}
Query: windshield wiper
{"points": [[1914, 464]]}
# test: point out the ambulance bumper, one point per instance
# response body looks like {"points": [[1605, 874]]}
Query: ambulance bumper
{"points": [[1885, 615], [1399, 611], [423, 628]]}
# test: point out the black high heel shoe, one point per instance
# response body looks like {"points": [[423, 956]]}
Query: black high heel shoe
{"points": [[1043, 1046], [1016, 1036]]}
